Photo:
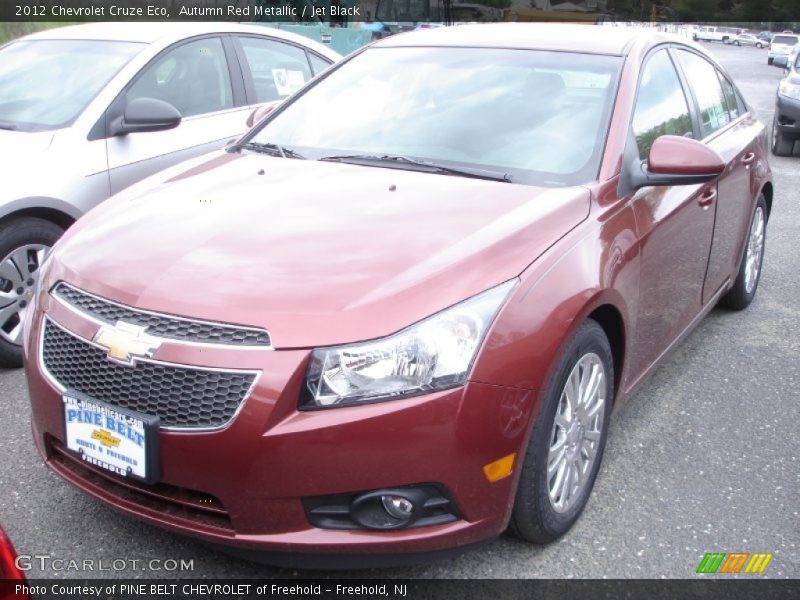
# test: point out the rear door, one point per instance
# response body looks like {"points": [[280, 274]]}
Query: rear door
{"points": [[202, 79], [732, 130], [274, 69]]}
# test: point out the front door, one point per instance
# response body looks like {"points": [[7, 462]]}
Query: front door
{"points": [[195, 78], [675, 224]]}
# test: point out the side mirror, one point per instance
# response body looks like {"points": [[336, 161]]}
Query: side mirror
{"points": [[260, 112], [146, 114], [676, 160]]}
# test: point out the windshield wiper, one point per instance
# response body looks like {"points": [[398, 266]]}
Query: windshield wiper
{"points": [[272, 149], [404, 162]]}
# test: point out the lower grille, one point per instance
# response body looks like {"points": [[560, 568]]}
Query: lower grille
{"points": [[183, 397], [171, 501]]}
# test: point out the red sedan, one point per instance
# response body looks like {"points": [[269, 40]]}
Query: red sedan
{"points": [[395, 317]]}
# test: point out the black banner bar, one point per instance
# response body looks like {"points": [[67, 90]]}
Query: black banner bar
{"points": [[753, 14]]}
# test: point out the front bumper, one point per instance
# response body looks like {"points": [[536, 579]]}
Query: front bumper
{"points": [[787, 116], [244, 485]]}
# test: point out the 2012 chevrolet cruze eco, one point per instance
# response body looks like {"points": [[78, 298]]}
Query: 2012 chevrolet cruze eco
{"points": [[395, 317]]}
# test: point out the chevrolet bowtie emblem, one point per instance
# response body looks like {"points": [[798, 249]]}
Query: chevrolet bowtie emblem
{"points": [[126, 342]]}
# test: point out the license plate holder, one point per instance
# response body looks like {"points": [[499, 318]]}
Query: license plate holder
{"points": [[116, 439]]}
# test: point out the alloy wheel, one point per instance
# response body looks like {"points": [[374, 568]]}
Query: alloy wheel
{"points": [[576, 433], [755, 248], [19, 274]]}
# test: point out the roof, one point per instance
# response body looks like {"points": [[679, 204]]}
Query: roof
{"points": [[151, 32], [535, 36]]}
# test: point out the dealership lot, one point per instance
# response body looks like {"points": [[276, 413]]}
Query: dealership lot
{"points": [[702, 459]]}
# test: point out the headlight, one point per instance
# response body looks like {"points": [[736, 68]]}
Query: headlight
{"points": [[789, 89], [434, 354]]}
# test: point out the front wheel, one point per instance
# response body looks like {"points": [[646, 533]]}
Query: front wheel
{"points": [[759, 46], [24, 243], [744, 287], [736, 43], [566, 446]]}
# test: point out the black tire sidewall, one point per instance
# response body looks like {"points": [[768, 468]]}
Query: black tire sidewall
{"points": [[15, 234], [738, 297], [534, 518]]}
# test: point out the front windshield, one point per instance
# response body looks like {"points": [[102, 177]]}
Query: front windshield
{"points": [[46, 84], [539, 116]]}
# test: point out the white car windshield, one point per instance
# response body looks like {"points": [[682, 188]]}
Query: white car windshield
{"points": [[540, 117], [46, 84]]}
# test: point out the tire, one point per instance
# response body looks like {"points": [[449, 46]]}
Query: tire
{"points": [[736, 43], [536, 517], [759, 46], [23, 242], [781, 145], [769, 61], [745, 286]]}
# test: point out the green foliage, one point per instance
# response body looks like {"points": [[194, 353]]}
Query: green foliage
{"points": [[9, 31]]}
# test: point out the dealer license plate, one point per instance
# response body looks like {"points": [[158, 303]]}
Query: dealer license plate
{"points": [[113, 438]]}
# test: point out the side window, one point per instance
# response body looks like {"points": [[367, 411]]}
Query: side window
{"points": [[702, 77], [661, 107], [318, 64], [278, 69], [193, 77], [729, 93]]}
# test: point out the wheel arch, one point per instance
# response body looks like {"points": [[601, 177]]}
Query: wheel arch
{"points": [[49, 209]]}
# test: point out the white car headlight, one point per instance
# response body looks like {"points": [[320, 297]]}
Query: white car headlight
{"points": [[433, 354], [789, 89]]}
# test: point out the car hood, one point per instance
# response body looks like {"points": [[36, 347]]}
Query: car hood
{"points": [[317, 253]]}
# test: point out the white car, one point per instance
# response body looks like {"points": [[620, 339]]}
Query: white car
{"points": [[780, 47], [86, 111]]}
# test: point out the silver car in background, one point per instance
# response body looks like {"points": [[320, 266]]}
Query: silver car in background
{"points": [[85, 111]]}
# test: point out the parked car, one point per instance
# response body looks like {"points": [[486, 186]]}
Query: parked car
{"points": [[10, 574], [712, 34], [786, 120], [780, 47], [87, 110], [748, 39], [765, 36], [330, 342]]}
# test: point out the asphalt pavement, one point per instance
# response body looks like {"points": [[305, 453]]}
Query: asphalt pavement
{"points": [[704, 458]]}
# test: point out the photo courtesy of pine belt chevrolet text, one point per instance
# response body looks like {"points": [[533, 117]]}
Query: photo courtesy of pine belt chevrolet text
{"points": [[393, 319]]}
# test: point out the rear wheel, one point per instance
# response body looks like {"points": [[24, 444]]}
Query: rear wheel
{"points": [[24, 243], [736, 43], [744, 287], [567, 442], [781, 145]]}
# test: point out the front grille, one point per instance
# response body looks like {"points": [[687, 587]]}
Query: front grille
{"points": [[165, 326], [184, 397]]}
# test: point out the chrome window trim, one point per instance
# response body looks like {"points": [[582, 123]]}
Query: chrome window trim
{"points": [[54, 294], [171, 428]]}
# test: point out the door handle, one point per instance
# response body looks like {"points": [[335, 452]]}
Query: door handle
{"points": [[748, 159], [707, 198]]}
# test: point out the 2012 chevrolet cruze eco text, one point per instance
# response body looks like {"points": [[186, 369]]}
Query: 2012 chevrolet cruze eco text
{"points": [[394, 318]]}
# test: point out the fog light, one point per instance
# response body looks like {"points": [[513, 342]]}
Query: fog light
{"points": [[398, 507]]}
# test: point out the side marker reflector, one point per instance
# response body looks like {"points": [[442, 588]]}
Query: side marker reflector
{"points": [[500, 468]]}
